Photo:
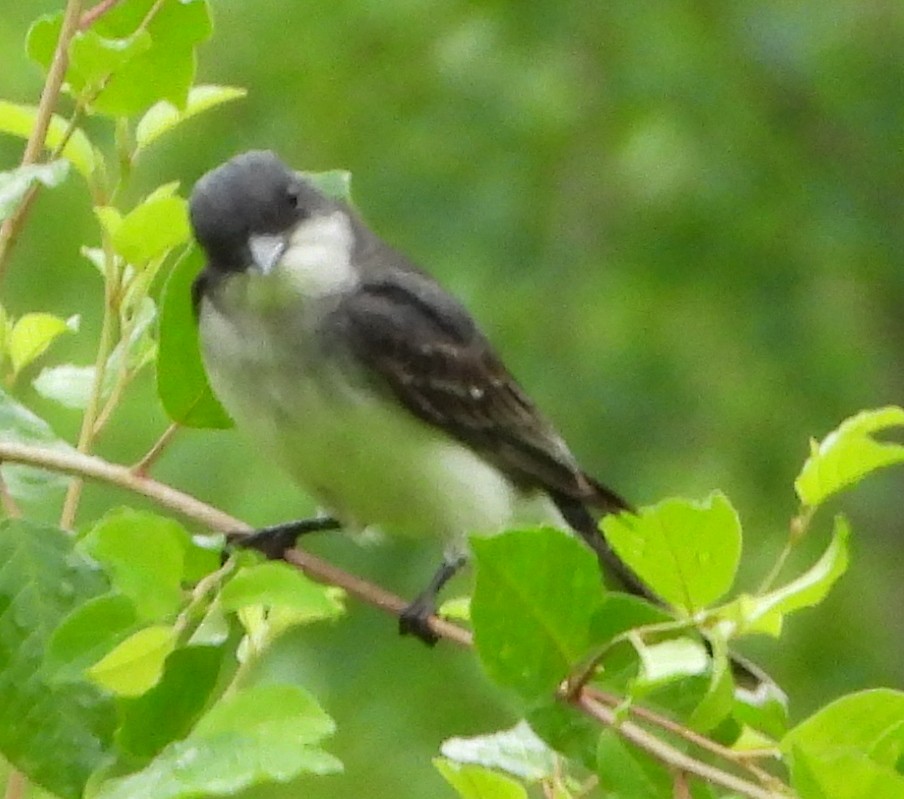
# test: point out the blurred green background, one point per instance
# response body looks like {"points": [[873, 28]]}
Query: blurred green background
{"points": [[681, 223]]}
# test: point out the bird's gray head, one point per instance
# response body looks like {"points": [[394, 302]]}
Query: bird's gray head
{"points": [[243, 210]]}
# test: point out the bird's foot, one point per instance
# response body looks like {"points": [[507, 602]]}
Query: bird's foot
{"points": [[273, 542], [415, 620]]}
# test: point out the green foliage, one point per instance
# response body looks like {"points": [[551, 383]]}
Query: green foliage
{"points": [[476, 782], [536, 592], [75, 147], [181, 381], [161, 118], [851, 748], [848, 454], [686, 552], [132, 660], [264, 733], [57, 734], [15, 183], [765, 613]]}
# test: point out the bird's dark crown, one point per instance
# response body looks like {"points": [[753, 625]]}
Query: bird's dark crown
{"points": [[252, 193]]}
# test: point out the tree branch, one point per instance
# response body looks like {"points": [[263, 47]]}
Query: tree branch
{"points": [[93, 468], [588, 700], [668, 754]]}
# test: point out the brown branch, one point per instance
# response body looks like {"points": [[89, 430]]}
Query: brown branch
{"points": [[16, 785], [590, 701], [150, 457], [93, 468], [689, 735], [49, 96], [95, 13], [666, 753]]}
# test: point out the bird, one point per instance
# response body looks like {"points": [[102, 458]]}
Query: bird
{"points": [[369, 383]]}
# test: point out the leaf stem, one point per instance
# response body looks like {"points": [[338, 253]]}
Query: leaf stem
{"points": [[150, 457], [797, 529]]}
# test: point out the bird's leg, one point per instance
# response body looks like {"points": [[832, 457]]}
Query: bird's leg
{"points": [[275, 540], [414, 620]]}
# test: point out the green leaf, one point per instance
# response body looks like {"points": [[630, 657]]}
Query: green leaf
{"points": [[19, 425], [151, 229], [164, 116], [274, 584], [31, 335], [15, 184], [850, 749], [109, 217], [669, 661], [335, 183], [625, 771], [41, 39], [476, 782], [718, 701], [70, 385], [766, 613], [260, 734], [536, 593], [94, 58], [764, 710], [565, 730], [135, 665], [272, 710], [19, 120], [517, 751], [687, 552], [168, 711], [163, 71], [145, 557], [848, 454], [456, 609], [181, 381], [56, 735], [87, 634]]}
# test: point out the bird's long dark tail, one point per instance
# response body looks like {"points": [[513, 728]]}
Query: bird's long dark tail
{"points": [[583, 522]]}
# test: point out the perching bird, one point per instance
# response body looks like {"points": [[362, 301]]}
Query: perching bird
{"points": [[369, 383]]}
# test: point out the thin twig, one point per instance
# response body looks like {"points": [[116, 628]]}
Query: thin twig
{"points": [[10, 506], [16, 783], [743, 759], [680, 786], [150, 457], [104, 348], [95, 13], [49, 96], [594, 703], [668, 754]]}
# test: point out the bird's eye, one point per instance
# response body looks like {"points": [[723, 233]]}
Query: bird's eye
{"points": [[293, 195]]}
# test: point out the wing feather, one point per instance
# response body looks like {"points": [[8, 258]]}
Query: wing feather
{"points": [[428, 351]]}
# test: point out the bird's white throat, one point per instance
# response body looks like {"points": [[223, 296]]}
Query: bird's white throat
{"points": [[317, 259]]}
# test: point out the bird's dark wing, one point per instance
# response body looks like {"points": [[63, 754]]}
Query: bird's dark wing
{"points": [[427, 350]]}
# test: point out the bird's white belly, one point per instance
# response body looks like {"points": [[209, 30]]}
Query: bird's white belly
{"points": [[366, 459]]}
